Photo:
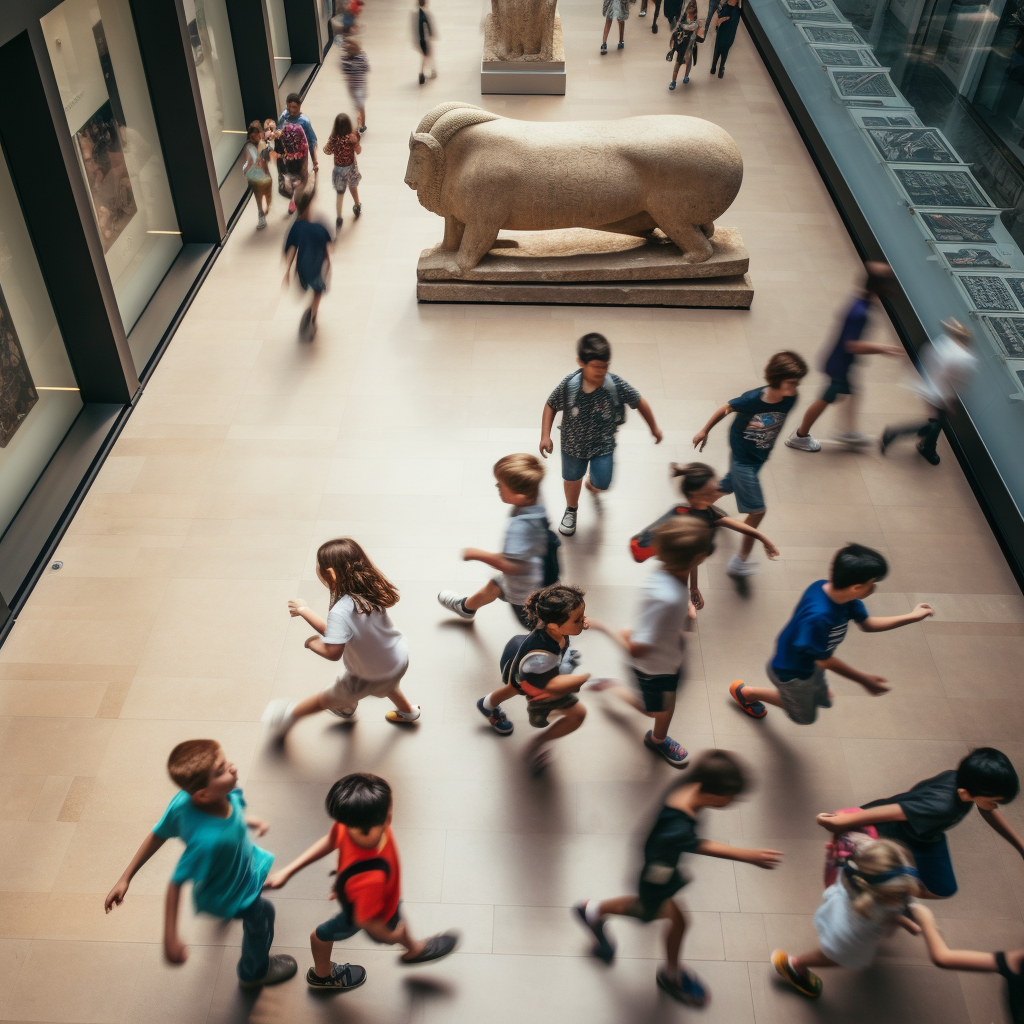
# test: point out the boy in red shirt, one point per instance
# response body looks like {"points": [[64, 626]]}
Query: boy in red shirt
{"points": [[368, 883]]}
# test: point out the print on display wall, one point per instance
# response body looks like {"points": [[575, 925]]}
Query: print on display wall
{"points": [[845, 56], [942, 188], [988, 292], [17, 390], [973, 256], [866, 84], [913, 146], [1017, 287], [826, 17], [827, 34], [1009, 333], [959, 227]]}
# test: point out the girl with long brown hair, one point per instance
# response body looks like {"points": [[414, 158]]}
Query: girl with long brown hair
{"points": [[358, 629]]}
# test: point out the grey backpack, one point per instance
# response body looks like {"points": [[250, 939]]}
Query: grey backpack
{"points": [[573, 390]]}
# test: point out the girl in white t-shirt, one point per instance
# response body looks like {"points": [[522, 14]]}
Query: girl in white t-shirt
{"points": [[359, 631]]}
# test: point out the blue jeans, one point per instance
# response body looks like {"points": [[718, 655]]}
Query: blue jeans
{"points": [[257, 938], [742, 481], [601, 467]]}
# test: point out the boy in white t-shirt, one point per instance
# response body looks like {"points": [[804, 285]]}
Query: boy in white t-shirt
{"points": [[521, 562], [359, 630], [657, 647]]}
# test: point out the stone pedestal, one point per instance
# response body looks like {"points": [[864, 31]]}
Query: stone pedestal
{"points": [[578, 266], [525, 76]]}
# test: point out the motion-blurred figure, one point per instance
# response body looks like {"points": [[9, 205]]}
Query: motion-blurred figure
{"points": [[424, 33], [947, 365]]}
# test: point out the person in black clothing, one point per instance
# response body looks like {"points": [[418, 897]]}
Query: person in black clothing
{"points": [[424, 31], [1007, 964], [716, 779], [657, 10], [726, 23], [306, 246], [672, 9], [921, 817]]}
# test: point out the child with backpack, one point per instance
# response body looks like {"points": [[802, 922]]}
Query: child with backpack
{"points": [[593, 405], [292, 158], [701, 489], [528, 559], [368, 883], [715, 780], [542, 666], [867, 902], [657, 647], [358, 630]]}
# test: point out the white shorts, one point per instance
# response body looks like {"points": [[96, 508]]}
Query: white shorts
{"points": [[348, 690]]}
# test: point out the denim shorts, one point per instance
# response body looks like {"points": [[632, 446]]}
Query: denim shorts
{"points": [[601, 467], [742, 481], [341, 927]]}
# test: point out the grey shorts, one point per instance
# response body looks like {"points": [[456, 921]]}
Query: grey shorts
{"points": [[348, 690], [801, 698]]}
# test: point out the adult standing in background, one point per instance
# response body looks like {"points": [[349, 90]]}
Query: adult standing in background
{"points": [[725, 33]]}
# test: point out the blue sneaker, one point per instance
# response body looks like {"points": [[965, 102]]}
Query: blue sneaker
{"points": [[671, 86], [604, 948], [499, 721], [686, 80], [668, 749], [683, 986]]}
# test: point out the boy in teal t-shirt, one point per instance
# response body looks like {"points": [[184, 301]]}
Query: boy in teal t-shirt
{"points": [[226, 868]]}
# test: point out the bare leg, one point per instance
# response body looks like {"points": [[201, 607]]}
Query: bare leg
{"points": [[362, 116], [355, 194], [848, 413], [675, 71], [696, 598], [337, 204], [663, 718], [309, 706], [321, 955], [502, 694], [622, 30], [315, 305], [399, 700], [689, 63], [607, 29], [747, 544], [677, 923], [765, 694], [815, 958], [485, 595], [572, 492], [814, 410], [569, 722]]}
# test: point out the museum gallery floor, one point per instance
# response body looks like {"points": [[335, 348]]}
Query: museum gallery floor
{"points": [[169, 621]]}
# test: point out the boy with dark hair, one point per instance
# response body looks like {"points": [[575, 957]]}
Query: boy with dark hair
{"points": [[520, 564], [367, 885], [307, 247], [840, 359], [715, 780], [804, 649], [920, 818], [657, 647], [292, 114], [593, 405], [226, 869], [760, 415]]}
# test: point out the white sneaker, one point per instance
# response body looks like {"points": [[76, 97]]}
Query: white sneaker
{"points": [[279, 716], [261, 223], [854, 439], [567, 527], [737, 568], [453, 602], [345, 714], [803, 444]]}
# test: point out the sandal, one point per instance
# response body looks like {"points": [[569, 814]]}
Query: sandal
{"points": [[695, 595], [434, 948], [754, 708], [807, 985]]}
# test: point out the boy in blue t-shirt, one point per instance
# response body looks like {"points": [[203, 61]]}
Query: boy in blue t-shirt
{"points": [[760, 415], [817, 627], [306, 246], [226, 869]]}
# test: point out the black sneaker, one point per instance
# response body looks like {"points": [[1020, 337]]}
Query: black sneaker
{"points": [[357, 209], [282, 967], [363, 129], [888, 436], [342, 977], [929, 456], [434, 948], [604, 948], [338, 222], [423, 78], [498, 719]]}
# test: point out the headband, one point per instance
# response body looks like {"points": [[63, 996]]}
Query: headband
{"points": [[883, 876]]}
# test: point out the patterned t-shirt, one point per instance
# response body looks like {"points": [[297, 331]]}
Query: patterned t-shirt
{"points": [[588, 428]]}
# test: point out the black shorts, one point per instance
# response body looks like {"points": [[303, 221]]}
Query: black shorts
{"points": [[654, 688], [541, 707], [837, 386], [653, 892]]}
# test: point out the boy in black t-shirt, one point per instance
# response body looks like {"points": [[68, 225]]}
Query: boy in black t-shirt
{"points": [[921, 817], [715, 780]]}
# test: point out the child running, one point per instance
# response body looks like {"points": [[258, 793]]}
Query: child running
{"points": [[920, 818], [257, 171], [683, 44], [368, 884], [307, 246], [542, 667], [226, 869], [760, 415], [355, 67], [867, 902], [593, 405], [715, 780], [344, 146], [1009, 965], [358, 630], [701, 489], [657, 647], [805, 647], [521, 562]]}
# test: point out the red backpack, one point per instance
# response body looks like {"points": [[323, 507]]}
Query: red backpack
{"points": [[293, 142], [642, 544]]}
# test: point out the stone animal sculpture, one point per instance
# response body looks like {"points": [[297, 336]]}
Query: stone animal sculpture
{"points": [[521, 29], [484, 173]]}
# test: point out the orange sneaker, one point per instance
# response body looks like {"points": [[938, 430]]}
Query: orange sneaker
{"points": [[754, 708]]}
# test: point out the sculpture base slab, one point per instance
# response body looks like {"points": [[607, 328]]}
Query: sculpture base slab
{"points": [[697, 293], [532, 82]]}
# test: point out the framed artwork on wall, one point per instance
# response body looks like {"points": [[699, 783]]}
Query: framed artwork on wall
{"points": [[17, 389]]}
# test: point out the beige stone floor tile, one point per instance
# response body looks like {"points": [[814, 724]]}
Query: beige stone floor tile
{"points": [[31, 852], [51, 746], [166, 994]]}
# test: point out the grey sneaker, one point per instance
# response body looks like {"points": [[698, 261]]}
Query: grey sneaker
{"points": [[738, 569], [567, 527], [450, 600], [282, 967], [342, 976], [345, 714], [803, 444]]}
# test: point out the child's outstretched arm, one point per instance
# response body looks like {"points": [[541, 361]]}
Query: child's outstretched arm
{"points": [[701, 437], [734, 524], [319, 849], [622, 637], [174, 949], [854, 820], [558, 686], [881, 623], [149, 846], [297, 608], [546, 420], [998, 822], [941, 954], [645, 410], [318, 645], [761, 858]]}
